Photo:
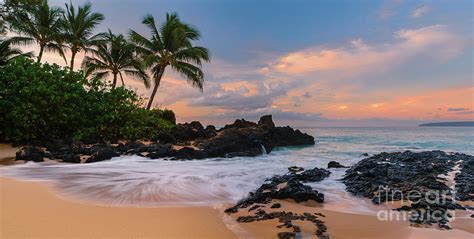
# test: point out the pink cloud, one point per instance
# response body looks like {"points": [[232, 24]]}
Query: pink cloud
{"points": [[359, 57]]}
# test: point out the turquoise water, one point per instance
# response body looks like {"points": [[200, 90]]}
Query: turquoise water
{"points": [[137, 181], [352, 142]]}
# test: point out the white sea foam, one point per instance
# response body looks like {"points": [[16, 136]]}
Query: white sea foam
{"points": [[141, 182]]}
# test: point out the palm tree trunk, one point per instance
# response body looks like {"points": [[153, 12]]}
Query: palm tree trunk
{"points": [[72, 59], [121, 78], [114, 82], [40, 55], [155, 87]]}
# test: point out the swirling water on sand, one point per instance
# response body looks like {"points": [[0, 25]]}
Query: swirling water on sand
{"points": [[141, 182]]}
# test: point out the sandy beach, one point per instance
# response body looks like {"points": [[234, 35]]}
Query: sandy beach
{"points": [[31, 210], [7, 154], [353, 226], [45, 215]]}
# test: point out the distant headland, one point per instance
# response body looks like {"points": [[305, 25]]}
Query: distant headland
{"points": [[449, 124]]}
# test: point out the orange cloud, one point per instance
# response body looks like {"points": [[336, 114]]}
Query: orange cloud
{"points": [[426, 105], [362, 57]]}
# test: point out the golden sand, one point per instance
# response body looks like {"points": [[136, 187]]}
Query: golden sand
{"points": [[30, 210], [7, 154], [350, 226]]}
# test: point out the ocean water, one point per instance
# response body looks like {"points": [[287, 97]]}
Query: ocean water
{"points": [[141, 182]]}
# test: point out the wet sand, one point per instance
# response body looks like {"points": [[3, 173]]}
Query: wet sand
{"points": [[350, 226], [7, 154], [31, 210]]}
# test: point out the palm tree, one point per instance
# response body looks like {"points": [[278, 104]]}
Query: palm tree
{"points": [[78, 27], [115, 56], [171, 45], [40, 24], [8, 53]]}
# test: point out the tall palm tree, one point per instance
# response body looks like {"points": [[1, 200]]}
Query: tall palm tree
{"points": [[40, 24], [171, 45], [115, 56], [8, 53], [78, 26]]}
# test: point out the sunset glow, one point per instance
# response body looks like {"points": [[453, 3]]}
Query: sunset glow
{"points": [[414, 65]]}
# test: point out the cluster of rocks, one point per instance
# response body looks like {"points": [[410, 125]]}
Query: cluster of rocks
{"points": [[414, 177], [465, 180], [287, 186], [286, 219], [242, 138]]}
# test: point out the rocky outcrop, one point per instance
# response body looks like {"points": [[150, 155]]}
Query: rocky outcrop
{"points": [[30, 153], [233, 142], [411, 176], [465, 180], [287, 186], [242, 138], [286, 136]]}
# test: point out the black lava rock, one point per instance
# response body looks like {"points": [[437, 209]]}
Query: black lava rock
{"points": [[275, 205], [286, 235], [334, 164], [242, 138], [31, 153], [287, 186], [102, 153], [465, 180], [395, 176]]}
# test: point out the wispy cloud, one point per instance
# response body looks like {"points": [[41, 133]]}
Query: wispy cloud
{"points": [[457, 109], [471, 112], [420, 11]]}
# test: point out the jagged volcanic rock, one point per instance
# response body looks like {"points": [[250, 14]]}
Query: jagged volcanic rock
{"points": [[410, 176]]}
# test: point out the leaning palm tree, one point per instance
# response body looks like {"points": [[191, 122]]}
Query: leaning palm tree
{"points": [[40, 24], [115, 56], [8, 53], [171, 45], [78, 29]]}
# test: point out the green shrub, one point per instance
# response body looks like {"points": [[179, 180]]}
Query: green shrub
{"points": [[42, 101], [166, 115]]}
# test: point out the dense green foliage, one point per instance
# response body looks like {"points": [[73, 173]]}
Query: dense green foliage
{"points": [[42, 101]]}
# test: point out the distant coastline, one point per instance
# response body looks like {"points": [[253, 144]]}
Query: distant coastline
{"points": [[449, 124]]}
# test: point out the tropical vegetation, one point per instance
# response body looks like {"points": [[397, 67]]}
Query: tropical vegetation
{"points": [[40, 100], [43, 101], [78, 29], [116, 57], [171, 45], [40, 24], [8, 52]]}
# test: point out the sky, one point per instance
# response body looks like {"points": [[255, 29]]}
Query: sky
{"points": [[315, 63]]}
